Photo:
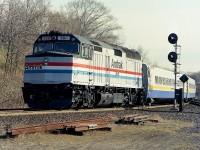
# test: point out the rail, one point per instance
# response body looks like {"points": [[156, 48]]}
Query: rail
{"points": [[195, 102]]}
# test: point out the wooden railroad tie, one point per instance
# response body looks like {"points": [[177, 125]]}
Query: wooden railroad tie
{"points": [[135, 119]]}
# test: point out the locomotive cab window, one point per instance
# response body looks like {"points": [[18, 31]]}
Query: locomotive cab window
{"points": [[42, 47], [86, 51]]}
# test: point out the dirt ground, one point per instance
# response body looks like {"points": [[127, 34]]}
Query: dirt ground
{"points": [[166, 134]]}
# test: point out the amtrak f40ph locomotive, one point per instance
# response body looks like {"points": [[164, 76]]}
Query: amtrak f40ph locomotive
{"points": [[68, 70]]}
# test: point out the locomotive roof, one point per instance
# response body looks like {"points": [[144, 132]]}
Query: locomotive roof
{"points": [[130, 53]]}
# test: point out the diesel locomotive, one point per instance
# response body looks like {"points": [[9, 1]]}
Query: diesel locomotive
{"points": [[68, 70]]}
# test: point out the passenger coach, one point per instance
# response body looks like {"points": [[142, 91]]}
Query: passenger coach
{"points": [[159, 85]]}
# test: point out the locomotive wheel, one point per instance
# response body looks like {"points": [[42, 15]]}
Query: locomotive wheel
{"points": [[78, 103], [125, 102], [91, 100]]}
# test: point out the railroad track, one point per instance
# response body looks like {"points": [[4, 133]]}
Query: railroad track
{"points": [[19, 119], [19, 112], [195, 102]]}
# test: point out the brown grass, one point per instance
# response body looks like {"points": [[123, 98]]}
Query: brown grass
{"points": [[10, 90], [164, 134]]}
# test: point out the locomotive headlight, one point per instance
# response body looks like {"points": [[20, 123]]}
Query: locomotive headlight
{"points": [[46, 61], [53, 38]]}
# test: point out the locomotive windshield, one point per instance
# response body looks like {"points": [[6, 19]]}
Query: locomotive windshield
{"points": [[68, 47], [41, 47]]}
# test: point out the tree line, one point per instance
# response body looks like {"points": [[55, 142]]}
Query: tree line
{"points": [[23, 20]]}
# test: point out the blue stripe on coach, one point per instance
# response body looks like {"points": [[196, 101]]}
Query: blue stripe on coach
{"points": [[166, 94], [160, 94]]}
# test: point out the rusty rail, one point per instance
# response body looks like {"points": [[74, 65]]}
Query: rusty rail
{"points": [[80, 125]]}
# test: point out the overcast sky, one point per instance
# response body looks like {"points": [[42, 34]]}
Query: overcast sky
{"points": [[147, 23]]}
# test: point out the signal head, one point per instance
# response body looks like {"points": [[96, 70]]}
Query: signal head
{"points": [[172, 38], [172, 56]]}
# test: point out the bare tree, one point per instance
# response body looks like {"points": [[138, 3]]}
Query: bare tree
{"points": [[57, 21], [23, 20], [19, 27], [91, 19], [2, 2], [144, 55]]}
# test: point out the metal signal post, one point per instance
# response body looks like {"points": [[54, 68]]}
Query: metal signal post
{"points": [[175, 73], [172, 56]]}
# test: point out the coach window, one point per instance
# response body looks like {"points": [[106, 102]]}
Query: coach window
{"points": [[156, 79]]}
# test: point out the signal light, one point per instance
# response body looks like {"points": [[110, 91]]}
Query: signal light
{"points": [[172, 38], [172, 56]]}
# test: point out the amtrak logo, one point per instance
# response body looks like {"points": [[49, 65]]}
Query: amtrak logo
{"points": [[117, 64], [33, 67]]}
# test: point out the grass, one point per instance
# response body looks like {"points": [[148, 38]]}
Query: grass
{"points": [[10, 90]]}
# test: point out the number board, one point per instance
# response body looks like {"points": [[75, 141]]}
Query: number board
{"points": [[62, 38], [46, 38]]}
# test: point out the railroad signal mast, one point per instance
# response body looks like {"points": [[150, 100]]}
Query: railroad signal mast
{"points": [[174, 57]]}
